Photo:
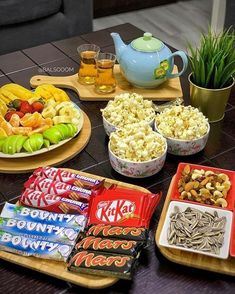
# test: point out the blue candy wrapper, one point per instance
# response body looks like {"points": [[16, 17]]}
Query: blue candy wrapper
{"points": [[30, 247], [36, 215], [39, 231]]}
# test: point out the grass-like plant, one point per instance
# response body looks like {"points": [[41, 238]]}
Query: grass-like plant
{"points": [[213, 62]]}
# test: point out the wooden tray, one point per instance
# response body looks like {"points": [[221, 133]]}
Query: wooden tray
{"points": [[53, 157], [58, 269], [169, 90], [223, 266]]}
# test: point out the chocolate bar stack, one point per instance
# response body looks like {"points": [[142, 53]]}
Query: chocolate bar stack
{"points": [[118, 229]]}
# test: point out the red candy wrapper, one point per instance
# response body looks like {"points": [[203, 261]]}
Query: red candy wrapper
{"points": [[57, 174], [123, 207], [40, 200], [49, 186]]}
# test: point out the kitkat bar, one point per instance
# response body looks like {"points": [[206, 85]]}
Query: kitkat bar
{"points": [[124, 207], [52, 187], [126, 233], [57, 174], [118, 246], [53, 203], [102, 264]]}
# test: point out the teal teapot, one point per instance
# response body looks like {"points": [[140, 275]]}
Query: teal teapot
{"points": [[147, 62]]}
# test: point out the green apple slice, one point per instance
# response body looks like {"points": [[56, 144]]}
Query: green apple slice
{"points": [[46, 143], [71, 130], [62, 128], [19, 143], [1, 142], [53, 135], [27, 146], [75, 129], [9, 145], [36, 141]]}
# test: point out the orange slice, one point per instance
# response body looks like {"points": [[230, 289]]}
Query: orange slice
{"points": [[21, 130], [15, 120], [39, 130], [31, 120], [7, 127]]}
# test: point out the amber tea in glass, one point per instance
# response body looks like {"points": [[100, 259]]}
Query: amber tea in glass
{"points": [[105, 81], [87, 72]]}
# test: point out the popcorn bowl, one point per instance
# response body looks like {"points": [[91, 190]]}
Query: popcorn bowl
{"points": [[185, 128], [185, 147], [135, 169], [109, 128], [127, 108]]}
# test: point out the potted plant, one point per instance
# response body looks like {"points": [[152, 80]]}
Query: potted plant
{"points": [[213, 69]]}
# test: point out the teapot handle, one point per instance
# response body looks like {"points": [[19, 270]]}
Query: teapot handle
{"points": [[185, 64]]}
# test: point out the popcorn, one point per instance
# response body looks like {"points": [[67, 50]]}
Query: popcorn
{"points": [[137, 142], [128, 108], [182, 122]]}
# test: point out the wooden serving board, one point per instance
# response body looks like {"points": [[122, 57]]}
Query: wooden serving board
{"points": [[54, 157], [58, 269], [169, 90], [223, 266]]}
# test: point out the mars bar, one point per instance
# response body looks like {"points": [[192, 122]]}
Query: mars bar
{"points": [[126, 233], [126, 247], [103, 264]]}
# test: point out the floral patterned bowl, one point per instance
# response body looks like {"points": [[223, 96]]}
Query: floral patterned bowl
{"points": [[134, 169], [109, 128], [185, 147]]}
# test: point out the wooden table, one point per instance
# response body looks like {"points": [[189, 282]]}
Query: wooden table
{"points": [[155, 274]]}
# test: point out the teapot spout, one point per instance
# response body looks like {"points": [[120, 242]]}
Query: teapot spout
{"points": [[119, 45]]}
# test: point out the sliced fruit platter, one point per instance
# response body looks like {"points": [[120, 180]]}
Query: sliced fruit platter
{"points": [[32, 123]]}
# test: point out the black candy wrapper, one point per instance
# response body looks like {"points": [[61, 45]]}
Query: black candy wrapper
{"points": [[126, 233], [126, 247], [102, 264]]}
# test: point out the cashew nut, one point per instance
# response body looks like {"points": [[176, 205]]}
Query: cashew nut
{"points": [[209, 173], [221, 202], [199, 171], [195, 176], [208, 186], [219, 187], [218, 194], [224, 177]]}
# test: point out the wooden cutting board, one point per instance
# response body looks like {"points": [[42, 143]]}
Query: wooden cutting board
{"points": [[223, 266], [169, 90], [53, 157], [58, 269]]}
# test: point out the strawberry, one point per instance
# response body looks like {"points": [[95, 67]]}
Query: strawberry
{"points": [[25, 107], [16, 104], [37, 106], [9, 114]]}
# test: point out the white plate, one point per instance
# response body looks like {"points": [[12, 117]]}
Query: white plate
{"points": [[224, 250], [51, 147]]}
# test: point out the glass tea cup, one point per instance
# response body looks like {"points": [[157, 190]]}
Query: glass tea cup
{"points": [[105, 80], [87, 72]]}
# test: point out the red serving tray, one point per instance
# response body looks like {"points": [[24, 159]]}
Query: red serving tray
{"points": [[231, 193]]}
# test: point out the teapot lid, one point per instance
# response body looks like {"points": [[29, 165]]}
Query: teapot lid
{"points": [[147, 43]]}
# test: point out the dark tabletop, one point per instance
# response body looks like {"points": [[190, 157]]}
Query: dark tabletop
{"points": [[155, 273]]}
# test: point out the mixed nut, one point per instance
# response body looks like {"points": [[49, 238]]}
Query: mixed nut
{"points": [[194, 229], [204, 186]]}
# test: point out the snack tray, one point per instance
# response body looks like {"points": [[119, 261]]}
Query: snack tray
{"points": [[223, 266], [58, 269]]}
